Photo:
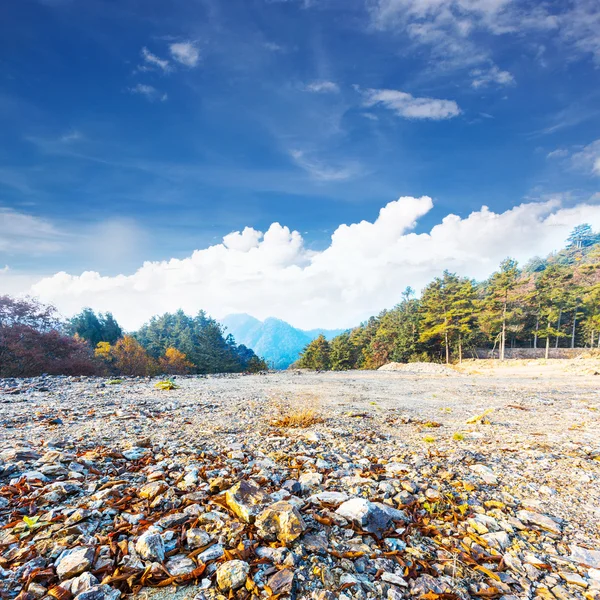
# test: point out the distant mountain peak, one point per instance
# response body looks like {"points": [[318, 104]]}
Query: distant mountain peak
{"points": [[278, 342]]}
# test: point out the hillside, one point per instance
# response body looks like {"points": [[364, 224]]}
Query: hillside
{"points": [[278, 342]]}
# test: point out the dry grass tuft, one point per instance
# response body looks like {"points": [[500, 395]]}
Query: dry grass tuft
{"points": [[300, 412]]}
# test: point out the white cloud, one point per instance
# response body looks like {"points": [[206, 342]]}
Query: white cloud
{"points": [[580, 27], [558, 153], [71, 136], [323, 171], [452, 28], [493, 75], [364, 268], [323, 87], [23, 234], [407, 106], [149, 92], [154, 60], [588, 158], [185, 53]]}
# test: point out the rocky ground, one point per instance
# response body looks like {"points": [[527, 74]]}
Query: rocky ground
{"points": [[405, 484]]}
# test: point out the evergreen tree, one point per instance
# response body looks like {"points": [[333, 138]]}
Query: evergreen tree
{"points": [[446, 312], [95, 328], [341, 353], [316, 355], [499, 299], [200, 338]]}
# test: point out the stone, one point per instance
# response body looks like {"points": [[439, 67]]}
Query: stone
{"points": [[292, 486], [485, 473], [540, 520], [213, 553], [282, 583], [246, 499], [315, 543], [589, 558], [373, 517], [331, 498], [280, 521], [135, 453], [180, 564], [84, 582], [150, 546], [310, 480], [74, 561], [198, 538], [36, 590], [152, 489], [232, 575], [573, 578], [393, 578], [99, 592], [395, 468]]}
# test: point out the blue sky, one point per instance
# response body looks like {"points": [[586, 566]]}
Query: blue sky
{"points": [[141, 130]]}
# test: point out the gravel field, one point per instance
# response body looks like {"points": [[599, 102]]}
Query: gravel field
{"points": [[389, 493]]}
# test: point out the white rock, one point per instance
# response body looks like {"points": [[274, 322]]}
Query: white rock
{"points": [[589, 558], [485, 473], [232, 575]]}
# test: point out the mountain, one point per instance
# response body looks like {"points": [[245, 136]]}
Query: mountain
{"points": [[276, 341]]}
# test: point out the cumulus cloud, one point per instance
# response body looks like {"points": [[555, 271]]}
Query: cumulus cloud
{"points": [[322, 87], [185, 53], [493, 75], [149, 91], [407, 106], [364, 268]]}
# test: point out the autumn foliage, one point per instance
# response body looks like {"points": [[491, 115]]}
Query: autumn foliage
{"points": [[128, 357], [175, 362], [32, 342]]}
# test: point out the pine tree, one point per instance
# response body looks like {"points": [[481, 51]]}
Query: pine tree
{"points": [[316, 355], [499, 300]]}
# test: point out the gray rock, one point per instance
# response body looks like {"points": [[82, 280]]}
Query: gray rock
{"points": [[99, 592], [180, 564], [198, 538], [150, 546], [74, 561], [373, 517]]}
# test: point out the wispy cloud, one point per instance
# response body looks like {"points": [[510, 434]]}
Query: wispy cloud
{"points": [[24, 234], [155, 61], [71, 136], [407, 106], [322, 87], [585, 159], [452, 28], [149, 91], [321, 170], [491, 76], [588, 159], [185, 53]]}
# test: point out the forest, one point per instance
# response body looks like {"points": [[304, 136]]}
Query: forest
{"points": [[35, 340], [549, 302]]}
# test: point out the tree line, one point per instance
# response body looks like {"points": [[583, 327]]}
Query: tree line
{"points": [[35, 340], [550, 302]]}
